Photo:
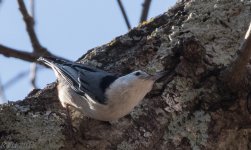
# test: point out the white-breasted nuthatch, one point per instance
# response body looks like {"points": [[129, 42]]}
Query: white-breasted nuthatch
{"points": [[96, 93]]}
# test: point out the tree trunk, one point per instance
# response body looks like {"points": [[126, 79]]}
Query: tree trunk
{"points": [[195, 41]]}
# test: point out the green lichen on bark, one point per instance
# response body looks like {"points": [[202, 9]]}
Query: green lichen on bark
{"points": [[193, 127], [22, 129]]}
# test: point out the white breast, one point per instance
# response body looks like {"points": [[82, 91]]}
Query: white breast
{"points": [[122, 97]]}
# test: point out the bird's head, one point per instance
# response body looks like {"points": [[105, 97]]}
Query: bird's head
{"points": [[140, 80], [141, 76]]}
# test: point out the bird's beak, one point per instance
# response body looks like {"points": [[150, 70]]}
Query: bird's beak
{"points": [[158, 75]]}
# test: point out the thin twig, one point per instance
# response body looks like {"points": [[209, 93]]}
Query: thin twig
{"points": [[15, 79], [18, 77], [124, 14], [33, 74], [2, 95], [145, 10], [33, 66], [32, 3], [29, 22]]}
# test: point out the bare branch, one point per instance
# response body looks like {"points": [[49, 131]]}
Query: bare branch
{"points": [[124, 14], [31, 57], [38, 50], [10, 52], [29, 22], [145, 10], [236, 73]]}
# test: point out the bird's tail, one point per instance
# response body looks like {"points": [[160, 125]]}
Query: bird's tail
{"points": [[46, 61], [62, 68], [53, 63]]}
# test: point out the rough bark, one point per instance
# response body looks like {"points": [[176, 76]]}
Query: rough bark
{"points": [[190, 109]]}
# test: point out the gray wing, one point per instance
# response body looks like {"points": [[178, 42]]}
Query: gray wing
{"points": [[83, 79]]}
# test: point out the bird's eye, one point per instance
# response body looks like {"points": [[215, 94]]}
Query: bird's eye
{"points": [[137, 73]]}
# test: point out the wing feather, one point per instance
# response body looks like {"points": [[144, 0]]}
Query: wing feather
{"points": [[83, 79]]}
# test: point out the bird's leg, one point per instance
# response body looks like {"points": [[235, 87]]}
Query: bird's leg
{"points": [[69, 120], [69, 127]]}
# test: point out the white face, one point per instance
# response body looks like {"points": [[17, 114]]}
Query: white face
{"points": [[137, 82]]}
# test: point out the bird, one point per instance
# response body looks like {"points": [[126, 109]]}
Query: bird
{"points": [[96, 93]]}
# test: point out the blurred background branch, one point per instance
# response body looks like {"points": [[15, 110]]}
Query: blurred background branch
{"points": [[122, 9], [18, 77], [2, 94], [145, 10], [33, 66]]}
